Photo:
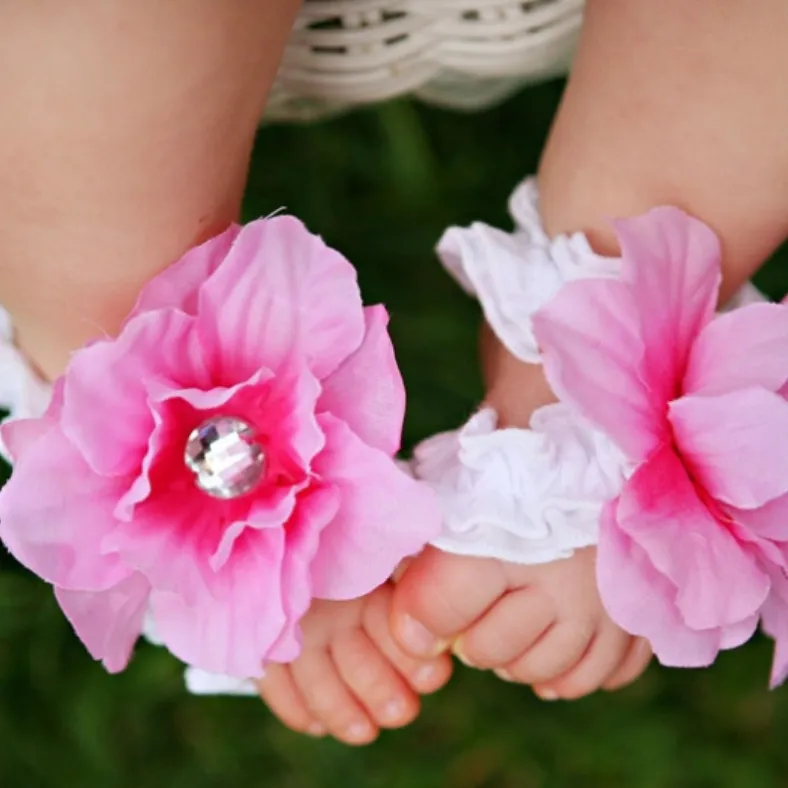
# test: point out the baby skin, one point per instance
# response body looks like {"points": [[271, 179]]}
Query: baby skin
{"points": [[623, 142], [542, 625]]}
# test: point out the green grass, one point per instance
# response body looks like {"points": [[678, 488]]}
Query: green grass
{"points": [[381, 185]]}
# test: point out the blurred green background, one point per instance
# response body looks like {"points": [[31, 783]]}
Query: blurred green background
{"points": [[381, 184]]}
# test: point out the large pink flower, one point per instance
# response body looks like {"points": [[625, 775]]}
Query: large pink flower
{"points": [[263, 324], [693, 552]]}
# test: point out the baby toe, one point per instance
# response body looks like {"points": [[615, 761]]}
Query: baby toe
{"points": [[633, 665], [441, 595], [556, 652], [509, 628], [423, 675], [375, 683], [601, 659], [280, 693], [330, 701]]}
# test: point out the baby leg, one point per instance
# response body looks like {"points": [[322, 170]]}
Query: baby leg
{"points": [[126, 136], [669, 103]]}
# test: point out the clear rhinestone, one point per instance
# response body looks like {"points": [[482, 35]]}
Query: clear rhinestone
{"points": [[224, 456]]}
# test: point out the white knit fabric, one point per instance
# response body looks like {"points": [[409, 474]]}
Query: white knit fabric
{"points": [[464, 54]]}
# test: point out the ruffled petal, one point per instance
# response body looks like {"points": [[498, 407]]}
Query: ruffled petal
{"points": [[105, 410], [177, 286], [641, 600], [108, 622], [775, 624], [733, 444], [366, 391], [673, 263], [280, 292], [20, 434], [384, 516], [741, 349], [717, 581], [316, 509], [54, 513], [233, 634], [769, 521], [592, 353]]}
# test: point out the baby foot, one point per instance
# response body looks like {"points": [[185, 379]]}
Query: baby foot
{"points": [[542, 625], [351, 678]]}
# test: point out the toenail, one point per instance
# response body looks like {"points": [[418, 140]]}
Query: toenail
{"points": [[393, 711], [458, 652], [504, 675], [424, 676], [316, 729], [359, 731], [547, 694], [418, 639]]}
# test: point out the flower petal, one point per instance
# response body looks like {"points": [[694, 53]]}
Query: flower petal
{"points": [[366, 391], [673, 263], [744, 348], [105, 411], [733, 444], [588, 335], [231, 634], [108, 622], [18, 435], [54, 512], [316, 509], [281, 291], [384, 516], [177, 285], [718, 582], [640, 599], [769, 521], [775, 624]]}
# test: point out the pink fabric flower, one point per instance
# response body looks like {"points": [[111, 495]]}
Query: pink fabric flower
{"points": [[265, 324], [694, 550]]}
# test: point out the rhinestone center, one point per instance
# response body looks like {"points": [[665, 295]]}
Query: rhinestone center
{"points": [[225, 457]]}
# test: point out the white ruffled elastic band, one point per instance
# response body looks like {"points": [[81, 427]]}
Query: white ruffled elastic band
{"points": [[533, 495], [527, 496]]}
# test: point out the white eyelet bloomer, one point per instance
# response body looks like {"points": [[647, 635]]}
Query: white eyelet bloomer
{"points": [[533, 495]]}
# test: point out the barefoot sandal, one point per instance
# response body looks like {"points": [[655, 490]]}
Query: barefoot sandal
{"points": [[207, 473], [533, 495]]}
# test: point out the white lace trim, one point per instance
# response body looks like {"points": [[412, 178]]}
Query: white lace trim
{"points": [[528, 496]]}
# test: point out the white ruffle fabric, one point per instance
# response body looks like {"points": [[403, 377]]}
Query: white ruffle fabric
{"points": [[514, 274], [527, 496], [532, 495]]}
